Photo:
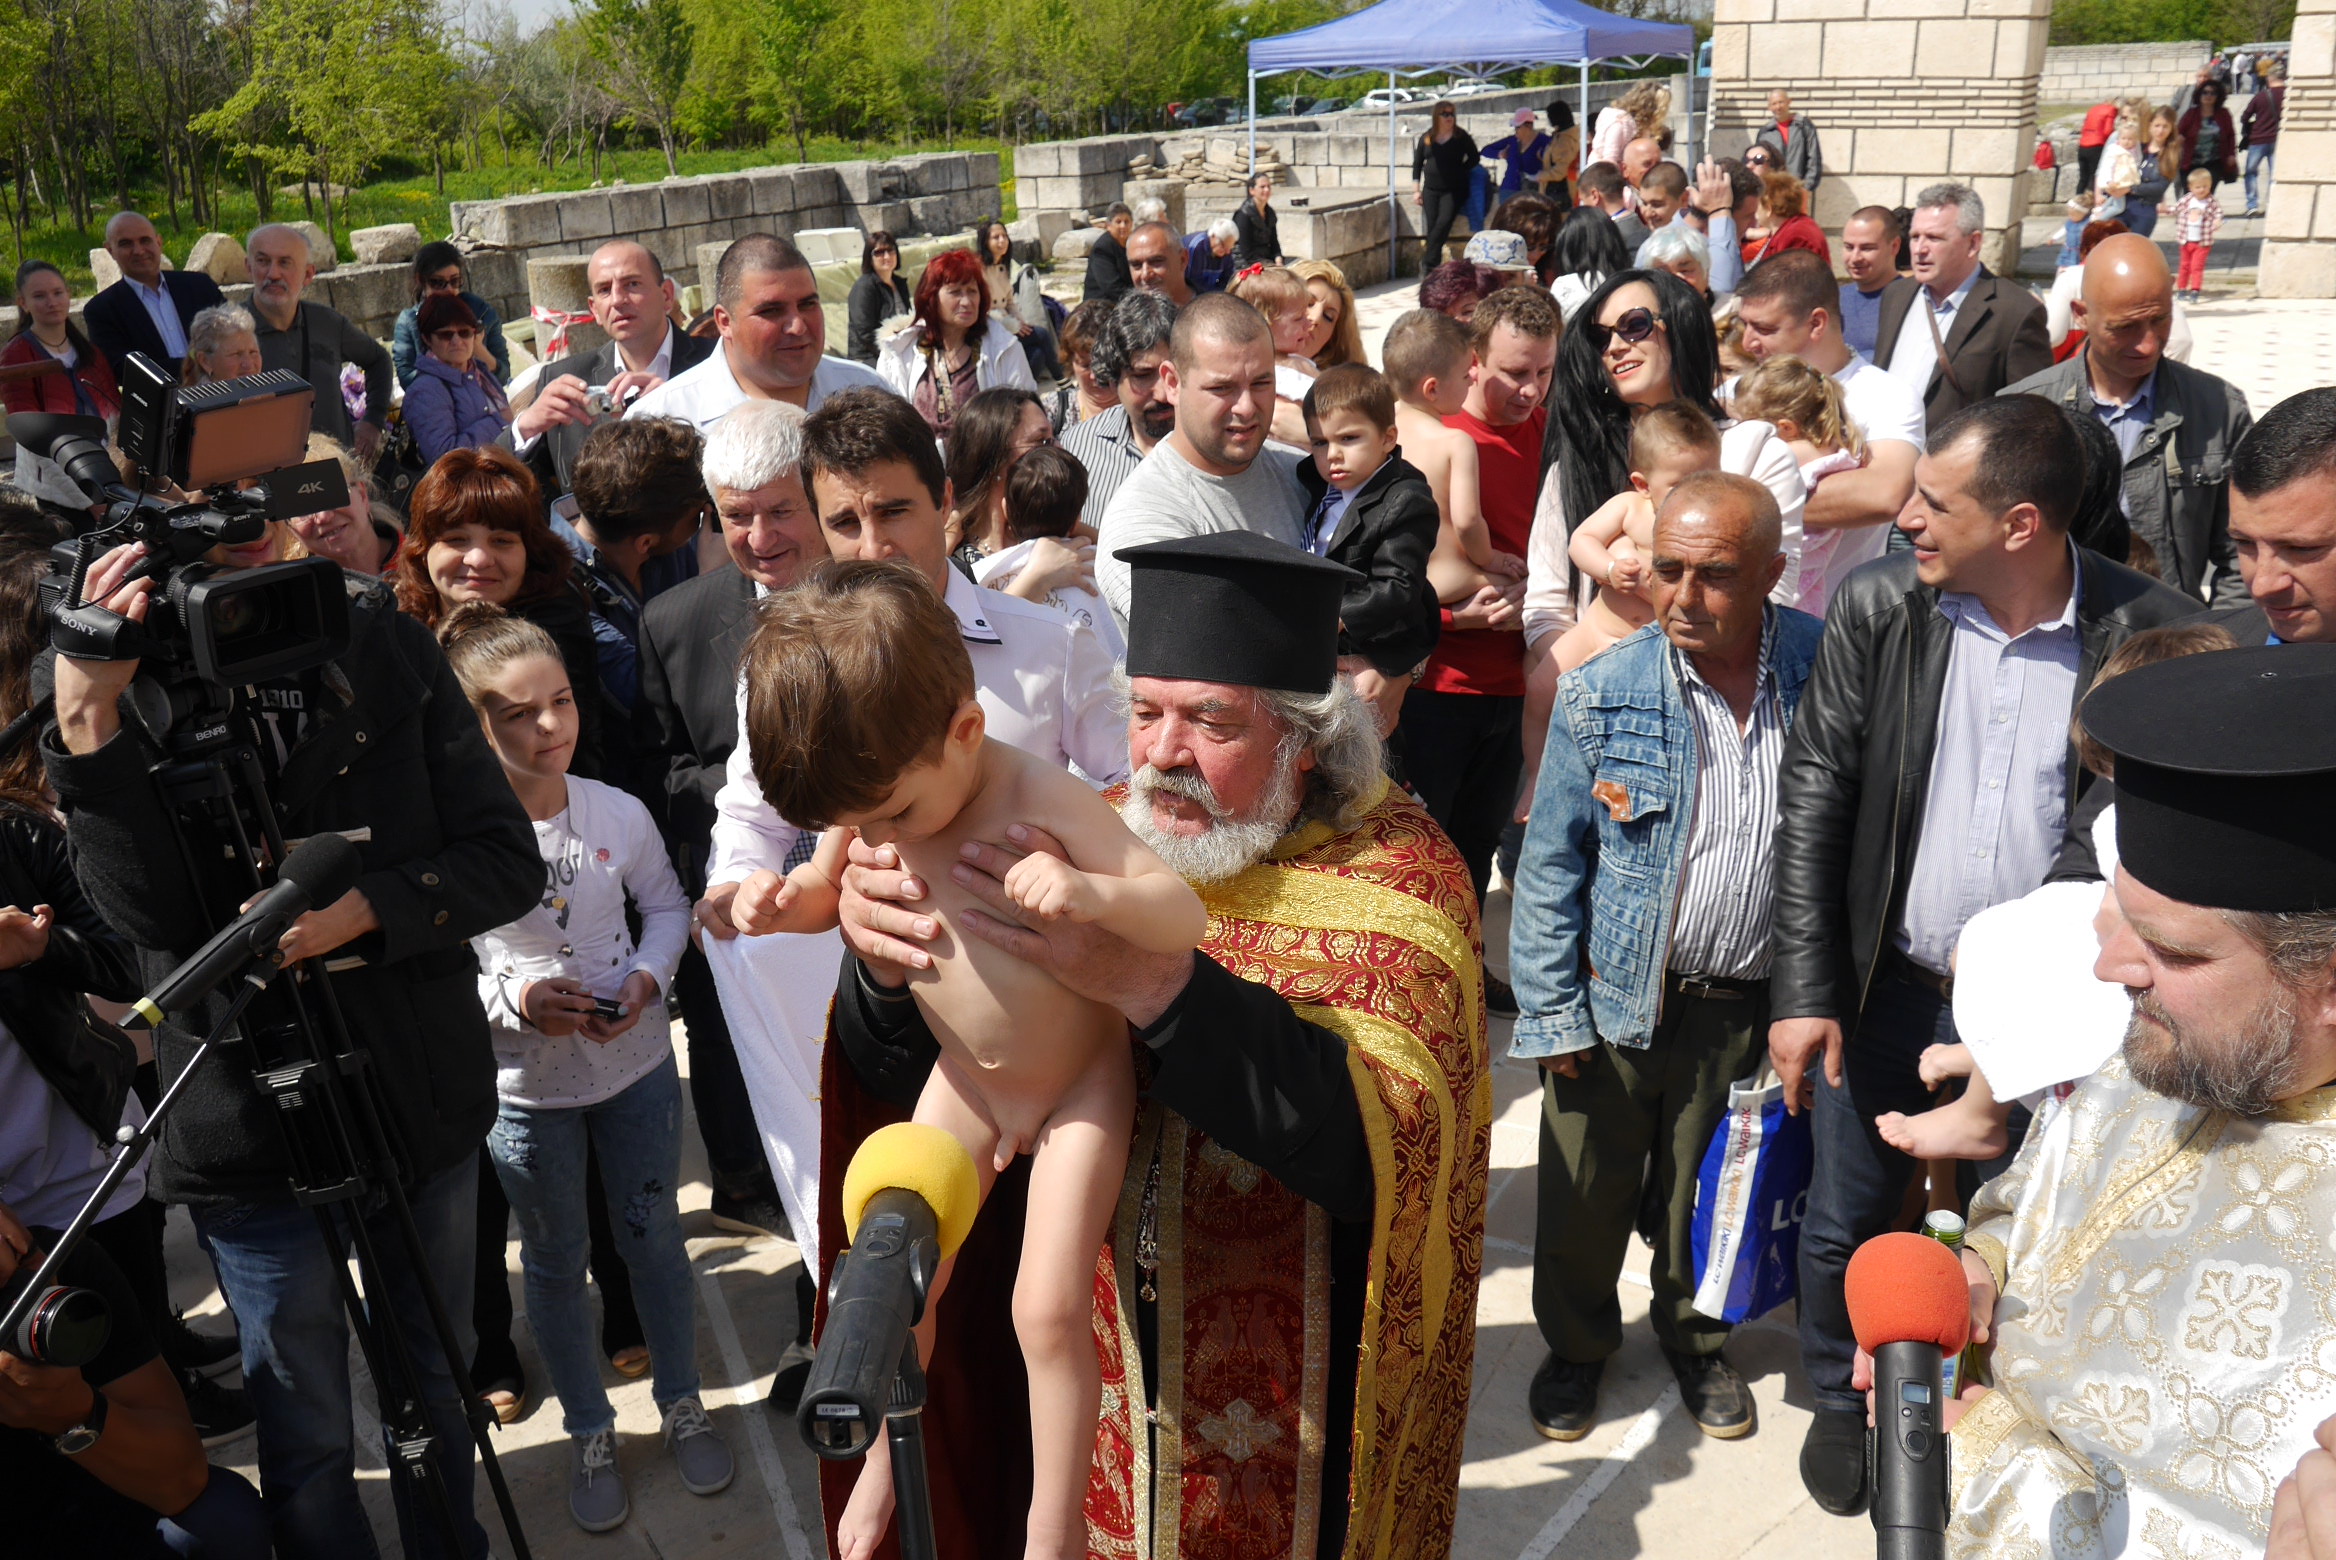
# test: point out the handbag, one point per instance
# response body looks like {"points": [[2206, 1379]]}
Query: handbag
{"points": [[1751, 1196]]}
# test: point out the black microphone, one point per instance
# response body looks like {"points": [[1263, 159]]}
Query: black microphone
{"points": [[316, 872], [909, 1196], [1910, 1306]]}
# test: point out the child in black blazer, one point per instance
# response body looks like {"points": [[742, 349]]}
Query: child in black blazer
{"points": [[1371, 510]]}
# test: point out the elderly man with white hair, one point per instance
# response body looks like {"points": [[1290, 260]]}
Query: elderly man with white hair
{"points": [[1208, 256], [312, 340]]}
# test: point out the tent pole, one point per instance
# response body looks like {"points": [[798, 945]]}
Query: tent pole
{"points": [[1252, 126], [1585, 113], [1394, 205], [1693, 140]]}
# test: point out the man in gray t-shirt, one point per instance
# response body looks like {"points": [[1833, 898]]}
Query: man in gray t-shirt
{"points": [[1213, 473]]}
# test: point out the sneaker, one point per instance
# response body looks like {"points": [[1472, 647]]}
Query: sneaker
{"points": [[1499, 1000], [221, 1414], [596, 1491], [1564, 1398], [1715, 1395], [756, 1215], [1833, 1460], [201, 1354], [699, 1451], [787, 1385]]}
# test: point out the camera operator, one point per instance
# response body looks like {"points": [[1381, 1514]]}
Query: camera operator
{"points": [[382, 739], [101, 1459]]}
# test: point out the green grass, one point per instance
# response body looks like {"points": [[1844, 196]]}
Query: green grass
{"points": [[417, 200]]}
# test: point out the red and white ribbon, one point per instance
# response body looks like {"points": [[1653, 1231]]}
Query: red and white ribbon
{"points": [[555, 344]]}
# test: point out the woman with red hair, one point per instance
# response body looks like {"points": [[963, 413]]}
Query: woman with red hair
{"points": [[475, 531], [955, 348], [1785, 222]]}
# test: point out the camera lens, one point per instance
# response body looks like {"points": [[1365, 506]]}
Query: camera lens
{"points": [[65, 1327]]}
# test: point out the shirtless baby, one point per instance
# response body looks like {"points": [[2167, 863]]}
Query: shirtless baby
{"points": [[861, 719], [1615, 546]]}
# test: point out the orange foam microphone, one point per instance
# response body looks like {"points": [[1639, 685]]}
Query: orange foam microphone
{"points": [[1910, 1306]]}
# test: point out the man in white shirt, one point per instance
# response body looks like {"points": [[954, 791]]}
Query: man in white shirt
{"points": [[774, 341], [877, 483], [631, 298], [1213, 472], [1787, 304]]}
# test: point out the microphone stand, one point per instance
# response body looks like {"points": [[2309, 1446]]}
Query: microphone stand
{"points": [[904, 1434]]}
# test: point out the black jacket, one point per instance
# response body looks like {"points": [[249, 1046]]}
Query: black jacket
{"points": [[868, 306], [1997, 337], [1258, 235], [1108, 277], [553, 457], [391, 746], [119, 325], [690, 639], [88, 1064], [2248, 623], [1857, 765], [1391, 615]]}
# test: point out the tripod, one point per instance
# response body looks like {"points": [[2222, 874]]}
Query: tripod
{"points": [[343, 1158]]}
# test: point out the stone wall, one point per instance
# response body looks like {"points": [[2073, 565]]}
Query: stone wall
{"points": [[1904, 93], [2098, 73], [931, 194], [2299, 249]]}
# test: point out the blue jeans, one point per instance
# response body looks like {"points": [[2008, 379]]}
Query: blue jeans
{"points": [[539, 1156], [1859, 1183], [2259, 157], [280, 1280]]}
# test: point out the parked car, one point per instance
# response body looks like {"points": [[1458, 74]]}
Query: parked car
{"points": [[1382, 97], [1325, 105], [1472, 86], [1209, 111]]}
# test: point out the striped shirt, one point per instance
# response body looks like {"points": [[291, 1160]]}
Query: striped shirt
{"points": [[1722, 924], [1107, 447]]}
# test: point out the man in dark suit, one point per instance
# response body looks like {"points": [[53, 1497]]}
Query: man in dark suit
{"points": [[150, 309], [1108, 275], [690, 639], [631, 298], [2283, 522], [1990, 331]]}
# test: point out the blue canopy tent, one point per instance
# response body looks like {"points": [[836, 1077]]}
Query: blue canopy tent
{"points": [[1481, 38]]}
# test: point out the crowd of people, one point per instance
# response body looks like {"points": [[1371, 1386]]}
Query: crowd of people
{"points": [[1782, 642]]}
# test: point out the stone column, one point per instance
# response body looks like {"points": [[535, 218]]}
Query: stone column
{"points": [[1904, 93], [2299, 249]]}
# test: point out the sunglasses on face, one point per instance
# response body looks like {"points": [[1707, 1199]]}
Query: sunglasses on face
{"points": [[884, 254], [453, 333], [1756, 162], [1635, 326], [451, 282]]}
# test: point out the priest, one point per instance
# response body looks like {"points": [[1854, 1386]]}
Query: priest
{"points": [[1285, 1308], [2156, 1269]]}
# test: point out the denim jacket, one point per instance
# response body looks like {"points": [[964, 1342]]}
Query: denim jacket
{"points": [[1598, 882]]}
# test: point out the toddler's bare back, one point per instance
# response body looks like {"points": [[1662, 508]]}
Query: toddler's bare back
{"points": [[1019, 1037]]}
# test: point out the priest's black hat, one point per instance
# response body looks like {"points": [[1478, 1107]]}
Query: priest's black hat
{"points": [[2226, 775], [1234, 607]]}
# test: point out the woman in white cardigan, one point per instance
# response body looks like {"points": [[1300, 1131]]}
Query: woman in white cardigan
{"points": [[956, 348], [1604, 378]]}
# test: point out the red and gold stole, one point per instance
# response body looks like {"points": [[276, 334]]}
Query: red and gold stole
{"points": [[1371, 933]]}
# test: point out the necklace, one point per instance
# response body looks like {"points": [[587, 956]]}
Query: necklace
{"points": [[64, 339]]}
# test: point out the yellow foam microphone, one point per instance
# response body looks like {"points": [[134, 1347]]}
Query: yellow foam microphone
{"points": [[909, 1200]]}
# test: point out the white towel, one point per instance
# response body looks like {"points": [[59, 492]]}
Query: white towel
{"points": [[775, 993]]}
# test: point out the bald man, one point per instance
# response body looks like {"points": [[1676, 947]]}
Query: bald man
{"points": [[312, 340], [631, 298], [1155, 261], [2175, 425], [1636, 1060], [150, 308]]}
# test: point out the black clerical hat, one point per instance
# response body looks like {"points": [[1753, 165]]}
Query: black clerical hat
{"points": [[1234, 607], [2226, 775]]}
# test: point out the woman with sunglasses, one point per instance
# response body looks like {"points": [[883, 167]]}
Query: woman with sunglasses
{"points": [[439, 271], [1443, 162], [1643, 339], [453, 403]]}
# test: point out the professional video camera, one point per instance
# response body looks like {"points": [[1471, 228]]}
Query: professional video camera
{"points": [[238, 445]]}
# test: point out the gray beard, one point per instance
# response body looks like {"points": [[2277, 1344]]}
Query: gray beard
{"points": [[1230, 846], [2245, 1074]]}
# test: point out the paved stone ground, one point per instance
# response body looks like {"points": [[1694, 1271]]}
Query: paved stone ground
{"points": [[1645, 1483]]}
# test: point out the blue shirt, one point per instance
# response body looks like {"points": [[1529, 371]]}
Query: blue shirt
{"points": [[1322, 525], [1861, 318], [163, 310], [1520, 160], [2128, 423], [1997, 803]]}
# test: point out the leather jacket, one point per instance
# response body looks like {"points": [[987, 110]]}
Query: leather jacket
{"points": [[1857, 765], [2177, 485]]}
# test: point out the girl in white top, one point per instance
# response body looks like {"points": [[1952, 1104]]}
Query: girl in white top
{"points": [[1809, 412], [576, 1012]]}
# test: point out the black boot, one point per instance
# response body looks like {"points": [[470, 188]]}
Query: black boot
{"points": [[1715, 1396], [1564, 1398]]}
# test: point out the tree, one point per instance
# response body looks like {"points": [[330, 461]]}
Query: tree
{"points": [[792, 34], [646, 45]]}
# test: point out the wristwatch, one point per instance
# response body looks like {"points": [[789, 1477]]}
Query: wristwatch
{"points": [[81, 1437]]}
